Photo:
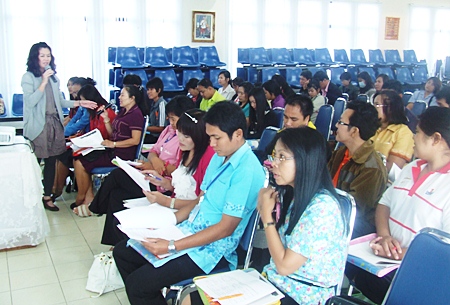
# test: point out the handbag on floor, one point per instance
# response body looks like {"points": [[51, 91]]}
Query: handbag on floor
{"points": [[103, 276]]}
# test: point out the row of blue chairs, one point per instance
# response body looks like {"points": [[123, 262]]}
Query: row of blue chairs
{"points": [[321, 57], [160, 58], [17, 106], [174, 79], [413, 77]]}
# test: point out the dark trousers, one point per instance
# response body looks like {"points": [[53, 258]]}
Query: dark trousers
{"points": [[117, 187], [143, 282], [49, 174]]}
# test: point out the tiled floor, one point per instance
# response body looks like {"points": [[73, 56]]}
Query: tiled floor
{"points": [[55, 272]]}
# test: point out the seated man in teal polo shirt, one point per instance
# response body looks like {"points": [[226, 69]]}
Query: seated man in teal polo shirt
{"points": [[209, 94], [216, 219]]}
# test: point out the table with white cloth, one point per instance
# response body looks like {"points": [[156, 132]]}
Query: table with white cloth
{"points": [[23, 221]]}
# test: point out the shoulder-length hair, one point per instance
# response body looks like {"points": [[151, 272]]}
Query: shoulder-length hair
{"points": [[368, 80], [33, 59], [90, 93], [258, 115], [191, 124], [393, 108], [308, 147], [226, 74]]}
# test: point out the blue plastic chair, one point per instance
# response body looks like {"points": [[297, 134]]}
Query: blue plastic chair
{"points": [[420, 74], [303, 57], [336, 75], [419, 107], [140, 72], [169, 54], [386, 70], [293, 77], [376, 57], [17, 105], [409, 57], [369, 70], [358, 58], [156, 57], [195, 73], [341, 57], [339, 106], [169, 79], [404, 76], [281, 56], [259, 57], [141, 52], [314, 70], [267, 73], [214, 77], [183, 57], [112, 53], [406, 97], [5, 113], [279, 112], [118, 78], [393, 57], [129, 57], [324, 119], [243, 56], [323, 56], [208, 56], [267, 136], [195, 54]]}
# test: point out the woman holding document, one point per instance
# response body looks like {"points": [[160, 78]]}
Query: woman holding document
{"points": [[125, 134], [417, 199], [307, 243]]}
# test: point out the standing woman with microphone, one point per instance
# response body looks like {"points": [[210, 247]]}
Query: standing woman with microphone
{"points": [[42, 113]]}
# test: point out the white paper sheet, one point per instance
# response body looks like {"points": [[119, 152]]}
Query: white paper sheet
{"points": [[137, 202], [168, 233], [134, 173], [91, 139], [364, 251], [153, 216]]}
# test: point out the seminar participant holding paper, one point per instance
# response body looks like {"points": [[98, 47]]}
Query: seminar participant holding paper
{"points": [[308, 243], [419, 198], [125, 134], [229, 193]]}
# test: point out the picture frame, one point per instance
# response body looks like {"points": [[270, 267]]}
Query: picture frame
{"points": [[203, 26]]}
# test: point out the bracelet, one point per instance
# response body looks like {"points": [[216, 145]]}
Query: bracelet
{"points": [[114, 144], [172, 203], [268, 224], [106, 122]]}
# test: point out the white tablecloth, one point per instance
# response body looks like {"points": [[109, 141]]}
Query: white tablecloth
{"points": [[22, 216]]}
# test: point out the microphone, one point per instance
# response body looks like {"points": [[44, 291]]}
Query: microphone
{"points": [[52, 76], [107, 106]]}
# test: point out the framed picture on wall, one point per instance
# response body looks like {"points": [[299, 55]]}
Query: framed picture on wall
{"points": [[203, 26]]}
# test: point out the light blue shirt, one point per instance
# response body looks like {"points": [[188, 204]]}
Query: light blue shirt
{"points": [[232, 189], [419, 95], [80, 121]]}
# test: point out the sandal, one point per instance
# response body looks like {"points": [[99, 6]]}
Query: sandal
{"points": [[83, 211], [53, 208]]}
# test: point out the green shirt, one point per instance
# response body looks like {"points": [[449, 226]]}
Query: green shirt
{"points": [[206, 104]]}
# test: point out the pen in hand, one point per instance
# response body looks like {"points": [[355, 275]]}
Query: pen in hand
{"points": [[152, 176]]}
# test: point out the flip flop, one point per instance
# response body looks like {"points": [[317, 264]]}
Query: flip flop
{"points": [[83, 211]]}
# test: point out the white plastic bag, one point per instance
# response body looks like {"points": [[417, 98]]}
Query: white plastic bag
{"points": [[103, 276]]}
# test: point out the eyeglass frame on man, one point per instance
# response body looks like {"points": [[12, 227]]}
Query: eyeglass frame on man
{"points": [[342, 123]]}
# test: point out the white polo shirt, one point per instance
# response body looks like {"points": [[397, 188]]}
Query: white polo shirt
{"points": [[418, 203]]}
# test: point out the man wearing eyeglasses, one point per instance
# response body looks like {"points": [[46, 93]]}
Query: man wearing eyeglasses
{"points": [[356, 167]]}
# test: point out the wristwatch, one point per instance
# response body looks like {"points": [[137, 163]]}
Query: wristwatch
{"points": [[268, 224], [171, 247]]}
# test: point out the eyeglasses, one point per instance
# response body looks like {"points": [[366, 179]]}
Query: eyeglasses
{"points": [[379, 105], [280, 159], [342, 123]]}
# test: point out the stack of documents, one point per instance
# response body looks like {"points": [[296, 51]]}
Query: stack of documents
{"points": [[88, 142]]}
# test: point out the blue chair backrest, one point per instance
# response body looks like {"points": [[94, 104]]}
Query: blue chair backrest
{"points": [[266, 138], [112, 51], [259, 56], [370, 71], [420, 74], [247, 238], [5, 112], [118, 78], [302, 56], [392, 56], [209, 57], [214, 77], [188, 74], [169, 80], [243, 56], [141, 141], [409, 56], [281, 56], [195, 54], [323, 56], [423, 276], [129, 57], [279, 112], [404, 75], [339, 106], [169, 54], [357, 56], [388, 71], [340, 55], [183, 56], [17, 105], [354, 73], [336, 75], [419, 107], [139, 72], [156, 57], [315, 70], [141, 52], [406, 97], [324, 119], [376, 56], [362, 98], [267, 73], [293, 76]]}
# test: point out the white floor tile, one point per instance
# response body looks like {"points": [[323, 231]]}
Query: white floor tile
{"points": [[57, 218], [122, 296], [64, 229], [67, 241], [29, 261], [50, 294], [39, 248], [4, 283], [2, 254], [5, 298], [99, 248], [76, 290], [106, 299], [70, 255], [3, 265], [92, 223], [32, 277], [73, 271]]}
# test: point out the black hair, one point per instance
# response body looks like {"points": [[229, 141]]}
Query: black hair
{"points": [[191, 124], [320, 75], [308, 147], [365, 117], [444, 93], [90, 93], [237, 81], [314, 83], [226, 74], [436, 119], [228, 117], [272, 87], [436, 83], [132, 79], [206, 82], [247, 87], [383, 76], [257, 116], [33, 59], [157, 84], [286, 90], [138, 93], [393, 84], [306, 74], [302, 101], [345, 76], [368, 80], [191, 84], [394, 110], [83, 81], [179, 105]]}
